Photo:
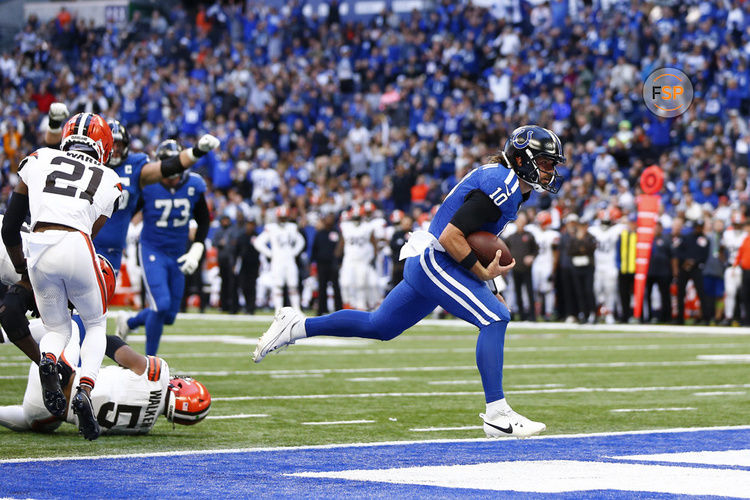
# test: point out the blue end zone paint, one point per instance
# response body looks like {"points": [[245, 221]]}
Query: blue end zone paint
{"points": [[263, 473]]}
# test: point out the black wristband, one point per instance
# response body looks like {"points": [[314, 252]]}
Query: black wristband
{"points": [[469, 261], [198, 153], [54, 124], [171, 166]]}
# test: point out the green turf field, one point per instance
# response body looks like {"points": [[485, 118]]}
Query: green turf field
{"points": [[424, 380]]}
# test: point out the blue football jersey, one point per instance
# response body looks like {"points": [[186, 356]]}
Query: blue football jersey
{"points": [[167, 212], [115, 230], [498, 182]]}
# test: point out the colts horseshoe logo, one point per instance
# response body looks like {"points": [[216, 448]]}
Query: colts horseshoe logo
{"points": [[519, 141]]}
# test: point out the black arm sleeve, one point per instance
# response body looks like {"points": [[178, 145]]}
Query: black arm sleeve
{"points": [[171, 166], [13, 220], [113, 343], [202, 217], [477, 210]]}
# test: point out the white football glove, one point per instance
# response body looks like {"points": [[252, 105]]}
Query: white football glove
{"points": [[207, 142], [57, 115], [189, 262]]}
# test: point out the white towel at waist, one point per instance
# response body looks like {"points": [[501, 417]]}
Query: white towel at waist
{"points": [[417, 243]]}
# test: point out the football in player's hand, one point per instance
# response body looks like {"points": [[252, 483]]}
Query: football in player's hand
{"points": [[485, 245]]}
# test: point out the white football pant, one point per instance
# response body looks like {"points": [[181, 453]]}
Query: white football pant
{"points": [[63, 267]]}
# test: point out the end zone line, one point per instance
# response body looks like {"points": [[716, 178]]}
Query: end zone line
{"points": [[363, 445]]}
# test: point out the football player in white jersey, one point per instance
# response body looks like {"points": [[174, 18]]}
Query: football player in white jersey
{"points": [[732, 240], [381, 234], [607, 235], [70, 194], [282, 242], [127, 399], [543, 267], [357, 272]]}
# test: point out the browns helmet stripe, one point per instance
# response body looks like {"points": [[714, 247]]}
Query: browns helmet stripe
{"points": [[85, 125], [78, 121]]}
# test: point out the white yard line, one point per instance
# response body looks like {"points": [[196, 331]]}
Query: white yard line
{"points": [[572, 390], [373, 379], [724, 357], [471, 381], [340, 422], [478, 381], [523, 366], [223, 451], [437, 350], [632, 410], [426, 350], [515, 325], [241, 415], [534, 386], [438, 429], [720, 393]]}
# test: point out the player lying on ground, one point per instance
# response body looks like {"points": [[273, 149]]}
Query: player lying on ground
{"points": [[127, 399], [441, 269]]}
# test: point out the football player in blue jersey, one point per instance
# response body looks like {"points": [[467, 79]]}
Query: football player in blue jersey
{"points": [[135, 171], [168, 207], [441, 269]]}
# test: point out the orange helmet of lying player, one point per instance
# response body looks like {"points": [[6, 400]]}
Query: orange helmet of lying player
{"points": [[188, 401]]}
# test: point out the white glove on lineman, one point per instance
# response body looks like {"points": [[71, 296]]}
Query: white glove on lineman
{"points": [[189, 261], [206, 143], [57, 115]]}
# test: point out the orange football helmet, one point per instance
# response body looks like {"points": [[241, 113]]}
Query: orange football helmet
{"points": [[110, 278], [188, 401], [544, 219], [282, 212], [91, 130]]}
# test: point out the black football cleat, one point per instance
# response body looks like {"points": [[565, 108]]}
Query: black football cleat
{"points": [[84, 410], [52, 393]]}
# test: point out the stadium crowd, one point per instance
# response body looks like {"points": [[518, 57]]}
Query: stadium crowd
{"points": [[377, 120]]}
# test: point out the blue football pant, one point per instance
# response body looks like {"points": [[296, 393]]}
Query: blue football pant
{"points": [[165, 285], [431, 279]]}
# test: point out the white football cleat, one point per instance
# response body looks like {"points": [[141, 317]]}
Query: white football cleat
{"points": [[122, 329], [279, 334], [508, 423]]}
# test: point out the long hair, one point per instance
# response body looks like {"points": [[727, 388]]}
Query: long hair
{"points": [[496, 158]]}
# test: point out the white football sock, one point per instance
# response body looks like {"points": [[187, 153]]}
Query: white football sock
{"points": [[298, 330], [499, 406]]}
